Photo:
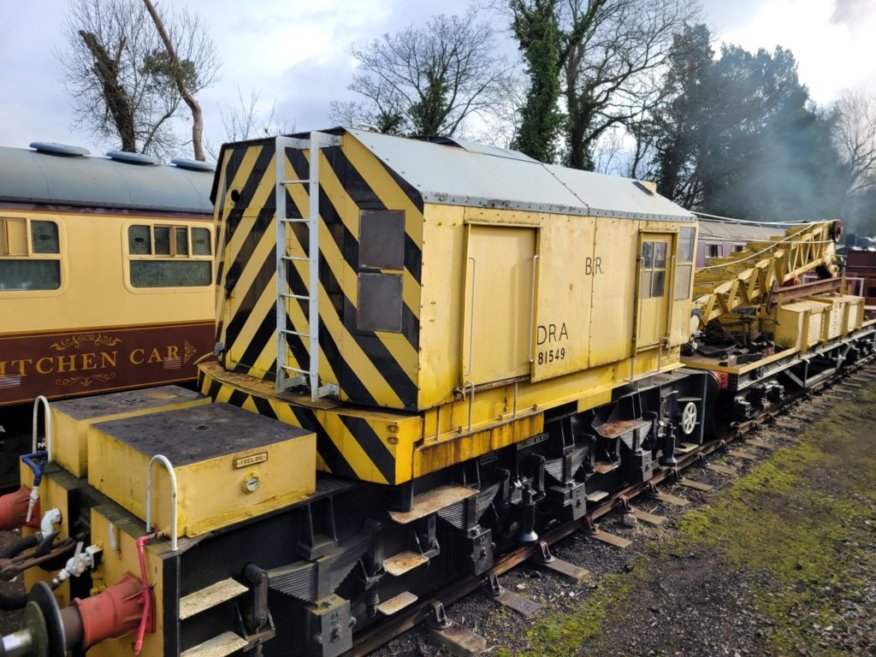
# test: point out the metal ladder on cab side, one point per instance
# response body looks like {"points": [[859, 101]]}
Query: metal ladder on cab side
{"points": [[288, 376]]}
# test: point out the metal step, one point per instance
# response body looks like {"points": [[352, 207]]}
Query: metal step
{"points": [[604, 467], [219, 646], [209, 597], [433, 501], [597, 496], [396, 604], [399, 564]]}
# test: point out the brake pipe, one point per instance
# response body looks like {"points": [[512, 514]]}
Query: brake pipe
{"points": [[36, 461], [146, 594]]}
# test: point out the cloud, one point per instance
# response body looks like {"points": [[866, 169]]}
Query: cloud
{"points": [[850, 11]]}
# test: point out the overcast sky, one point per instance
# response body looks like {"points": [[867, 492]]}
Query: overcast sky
{"points": [[295, 53]]}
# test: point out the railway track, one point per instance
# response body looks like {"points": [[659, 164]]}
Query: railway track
{"points": [[431, 610]]}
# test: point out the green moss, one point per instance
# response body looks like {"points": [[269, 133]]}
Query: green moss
{"points": [[796, 523], [560, 633]]}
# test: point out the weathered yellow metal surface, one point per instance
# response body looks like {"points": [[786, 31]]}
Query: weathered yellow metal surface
{"points": [[70, 427], [612, 273], [441, 319], [119, 556], [813, 320], [221, 480], [496, 334], [564, 303]]}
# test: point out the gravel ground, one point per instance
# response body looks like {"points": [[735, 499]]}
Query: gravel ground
{"points": [[778, 561]]}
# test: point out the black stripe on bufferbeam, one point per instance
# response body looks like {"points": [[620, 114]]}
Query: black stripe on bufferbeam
{"points": [[251, 298], [374, 448], [238, 398], [263, 406], [332, 456], [215, 387]]}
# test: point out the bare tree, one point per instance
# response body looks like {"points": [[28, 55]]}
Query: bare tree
{"points": [[246, 121], [120, 77], [427, 80], [249, 119], [615, 49], [606, 54], [182, 72], [854, 132]]}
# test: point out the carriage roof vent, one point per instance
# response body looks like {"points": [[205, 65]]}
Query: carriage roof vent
{"points": [[132, 158], [194, 165], [52, 148]]}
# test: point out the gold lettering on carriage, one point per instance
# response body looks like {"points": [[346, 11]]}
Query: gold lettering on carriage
{"points": [[67, 358]]}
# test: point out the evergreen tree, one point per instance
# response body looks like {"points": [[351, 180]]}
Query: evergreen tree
{"points": [[536, 29], [738, 136]]}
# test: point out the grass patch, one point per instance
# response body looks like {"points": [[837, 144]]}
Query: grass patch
{"points": [[795, 525]]}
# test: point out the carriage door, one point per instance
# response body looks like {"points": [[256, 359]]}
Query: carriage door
{"points": [[653, 298], [497, 317]]}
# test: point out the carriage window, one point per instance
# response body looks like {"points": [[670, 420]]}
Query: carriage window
{"points": [[139, 241], [200, 241], [170, 273], [162, 240], [29, 254], [44, 236], [169, 256]]}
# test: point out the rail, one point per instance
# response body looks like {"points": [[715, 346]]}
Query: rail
{"points": [[376, 636]]}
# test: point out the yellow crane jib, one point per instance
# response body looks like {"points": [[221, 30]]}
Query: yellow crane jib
{"points": [[747, 277]]}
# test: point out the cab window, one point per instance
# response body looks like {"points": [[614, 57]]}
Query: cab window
{"points": [[169, 256], [684, 268], [652, 279], [30, 254]]}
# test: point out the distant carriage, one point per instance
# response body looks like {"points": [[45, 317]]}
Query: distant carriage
{"points": [[720, 238], [105, 272]]}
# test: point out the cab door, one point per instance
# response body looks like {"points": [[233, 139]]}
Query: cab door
{"points": [[497, 324], [655, 257]]}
